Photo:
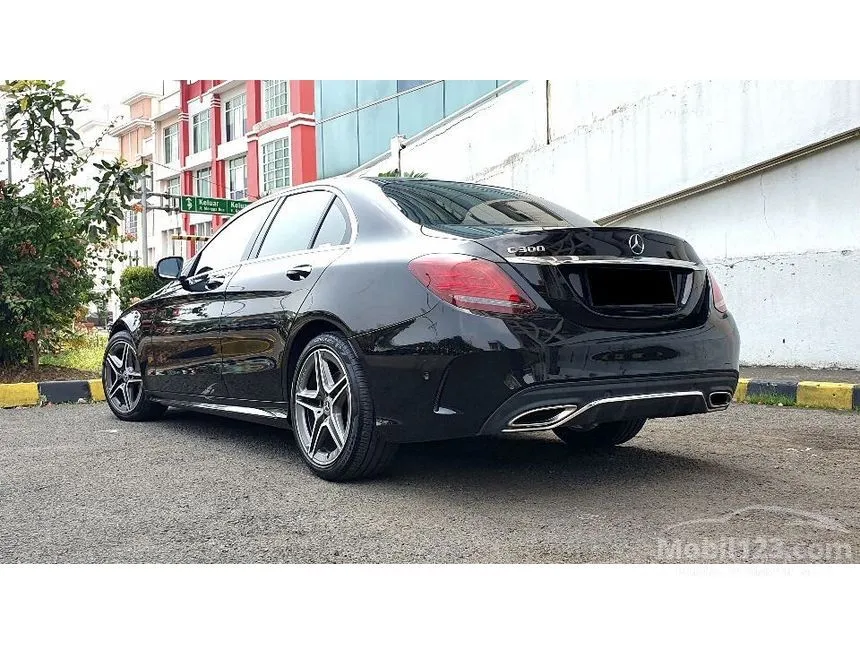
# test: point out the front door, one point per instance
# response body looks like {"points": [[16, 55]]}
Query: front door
{"points": [[184, 354], [184, 350]]}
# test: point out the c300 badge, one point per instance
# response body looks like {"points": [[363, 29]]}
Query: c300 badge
{"points": [[526, 249]]}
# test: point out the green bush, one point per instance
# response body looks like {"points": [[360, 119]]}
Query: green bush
{"points": [[137, 282]]}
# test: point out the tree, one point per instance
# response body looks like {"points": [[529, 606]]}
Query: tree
{"points": [[55, 236]]}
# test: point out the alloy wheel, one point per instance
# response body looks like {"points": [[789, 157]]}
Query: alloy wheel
{"points": [[323, 406], [123, 382]]}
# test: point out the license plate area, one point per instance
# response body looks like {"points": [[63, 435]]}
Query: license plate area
{"points": [[632, 291]]}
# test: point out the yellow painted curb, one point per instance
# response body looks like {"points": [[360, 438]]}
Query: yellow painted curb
{"points": [[741, 389], [838, 396], [14, 394], [97, 390]]}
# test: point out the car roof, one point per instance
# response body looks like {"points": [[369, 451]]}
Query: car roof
{"points": [[358, 183]]}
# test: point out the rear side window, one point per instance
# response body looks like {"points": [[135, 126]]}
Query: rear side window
{"points": [[295, 223], [335, 228], [452, 205]]}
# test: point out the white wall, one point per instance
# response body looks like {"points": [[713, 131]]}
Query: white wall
{"points": [[785, 242], [785, 246]]}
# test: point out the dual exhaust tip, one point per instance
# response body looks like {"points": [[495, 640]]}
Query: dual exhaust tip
{"points": [[719, 400], [553, 416], [544, 418]]}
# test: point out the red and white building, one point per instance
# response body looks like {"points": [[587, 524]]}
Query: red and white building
{"points": [[236, 139]]}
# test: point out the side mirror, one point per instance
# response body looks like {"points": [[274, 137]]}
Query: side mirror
{"points": [[169, 268]]}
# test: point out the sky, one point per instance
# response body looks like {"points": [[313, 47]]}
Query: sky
{"points": [[107, 95]]}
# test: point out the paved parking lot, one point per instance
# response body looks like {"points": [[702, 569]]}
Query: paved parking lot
{"points": [[755, 483]]}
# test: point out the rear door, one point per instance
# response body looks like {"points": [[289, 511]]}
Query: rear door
{"points": [[308, 233], [183, 356]]}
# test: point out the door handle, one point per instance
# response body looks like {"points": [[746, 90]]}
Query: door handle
{"points": [[215, 281], [299, 272]]}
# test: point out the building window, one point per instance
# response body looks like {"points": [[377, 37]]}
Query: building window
{"points": [[171, 143], [200, 131], [237, 178], [276, 164], [171, 186], [131, 223], [276, 98], [402, 86], [234, 111], [203, 229], [171, 246], [202, 180]]}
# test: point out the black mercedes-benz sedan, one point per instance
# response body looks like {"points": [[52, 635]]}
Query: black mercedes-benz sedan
{"points": [[364, 313]]}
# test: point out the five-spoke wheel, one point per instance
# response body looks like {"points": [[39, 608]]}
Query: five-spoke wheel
{"points": [[323, 406], [123, 381], [332, 412]]}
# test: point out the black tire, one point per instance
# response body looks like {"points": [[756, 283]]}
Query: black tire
{"points": [[133, 404], [602, 435], [363, 452]]}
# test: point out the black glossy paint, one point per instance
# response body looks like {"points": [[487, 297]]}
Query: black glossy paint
{"points": [[435, 371]]}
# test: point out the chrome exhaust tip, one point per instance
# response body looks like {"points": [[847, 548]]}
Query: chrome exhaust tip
{"points": [[719, 399], [544, 418]]}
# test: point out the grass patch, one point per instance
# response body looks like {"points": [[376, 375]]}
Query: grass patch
{"points": [[770, 399], [83, 352]]}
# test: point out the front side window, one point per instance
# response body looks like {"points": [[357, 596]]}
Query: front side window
{"points": [[276, 98], [276, 164], [295, 223], [235, 114], [237, 178], [203, 181], [171, 143], [227, 248], [200, 131]]}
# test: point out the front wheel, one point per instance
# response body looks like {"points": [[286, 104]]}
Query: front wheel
{"points": [[601, 435], [123, 382], [332, 413]]}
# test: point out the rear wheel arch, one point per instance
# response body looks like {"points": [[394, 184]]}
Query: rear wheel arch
{"points": [[299, 339]]}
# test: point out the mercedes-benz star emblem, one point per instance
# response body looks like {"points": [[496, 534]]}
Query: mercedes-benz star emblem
{"points": [[637, 244]]}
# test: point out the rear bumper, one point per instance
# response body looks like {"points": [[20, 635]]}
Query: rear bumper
{"points": [[450, 374], [585, 403]]}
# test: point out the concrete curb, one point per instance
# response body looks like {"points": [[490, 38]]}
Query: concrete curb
{"points": [[22, 394], [809, 394]]}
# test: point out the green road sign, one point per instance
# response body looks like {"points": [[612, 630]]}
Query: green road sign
{"points": [[213, 205]]}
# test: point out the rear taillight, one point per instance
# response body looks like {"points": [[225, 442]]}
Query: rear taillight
{"points": [[717, 293], [471, 283]]}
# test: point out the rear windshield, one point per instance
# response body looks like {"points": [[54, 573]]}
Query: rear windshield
{"points": [[473, 208]]}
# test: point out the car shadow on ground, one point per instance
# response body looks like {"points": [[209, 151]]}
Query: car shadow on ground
{"points": [[526, 460]]}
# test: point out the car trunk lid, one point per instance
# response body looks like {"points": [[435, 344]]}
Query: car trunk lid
{"points": [[609, 277]]}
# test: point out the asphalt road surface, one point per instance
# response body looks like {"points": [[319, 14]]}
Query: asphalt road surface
{"points": [[753, 484]]}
